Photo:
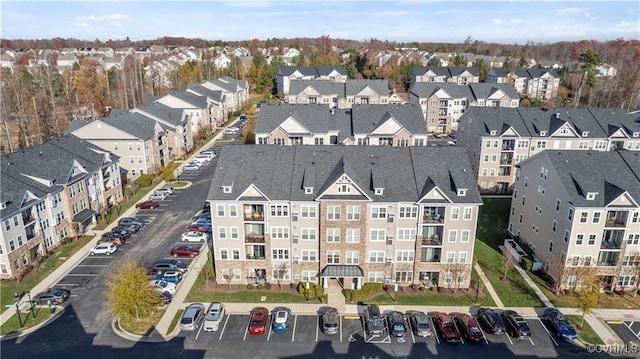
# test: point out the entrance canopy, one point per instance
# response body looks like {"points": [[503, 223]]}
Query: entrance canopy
{"points": [[339, 271]]}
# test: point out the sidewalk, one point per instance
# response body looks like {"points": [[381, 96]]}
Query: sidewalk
{"points": [[488, 286]]}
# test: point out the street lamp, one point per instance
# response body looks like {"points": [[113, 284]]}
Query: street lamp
{"points": [[306, 292], [17, 298], [395, 291], [31, 305]]}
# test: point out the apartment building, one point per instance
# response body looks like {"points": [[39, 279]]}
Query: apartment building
{"points": [[443, 104], [579, 211], [49, 192], [176, 121], [340, 94], [286, 74], [542, 84], [353, 213], [372, 125], [455, 75], [496, 139]]}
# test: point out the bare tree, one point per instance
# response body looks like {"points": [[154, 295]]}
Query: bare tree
{"points": [[589, 294], [508, 262], [280, 272]]}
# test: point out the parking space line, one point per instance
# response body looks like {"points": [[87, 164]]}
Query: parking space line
{"points": [[246, 329], [547, 330], [531, 340], [481, 331], [317, 327], [199, 330], [435, 332], [413, 338], [224, 327], [295, 320], [458, 329], [270, 326], [82, 275], [508, 337]]}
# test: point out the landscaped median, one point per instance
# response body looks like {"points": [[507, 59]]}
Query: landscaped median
{"points": [[585, 333], [29, 320]]}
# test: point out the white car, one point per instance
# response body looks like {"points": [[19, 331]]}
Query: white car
{"points": [[190, 167], [202, 160], [103, 248], [163, 286], [194, 236], [208, 153], [167, 190], [214, 316], [159, 196]]}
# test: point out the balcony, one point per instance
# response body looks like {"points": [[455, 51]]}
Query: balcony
{"points": [[255, 252], [254, 212], [254, 238], [30, 232], [432, 235], [431, 255], [612, 239], [28, 217], [504, 171], [433, 215], [608, 259], [616, 218], [508, 145]]}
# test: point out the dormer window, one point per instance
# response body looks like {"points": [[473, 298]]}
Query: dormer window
{"points": [[543, 133], [591, 196], [585, 133], [308, 190], [636, 134], [493, 132], [379, 191], [3, 205], [226, 189], [462, 192]]}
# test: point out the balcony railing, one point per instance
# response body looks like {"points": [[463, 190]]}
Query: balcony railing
{"points": [[28, 218], [432, 259], [431, 241], [608, 263], [254, 258], [506, 161], [254, 217], [254, 238], [508, 145], [611, 244]]}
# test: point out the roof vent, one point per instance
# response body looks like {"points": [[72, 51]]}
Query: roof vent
{"points": [[493, 132], [557, 114]]}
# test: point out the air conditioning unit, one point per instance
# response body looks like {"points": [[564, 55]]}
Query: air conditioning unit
{"points": [[295, 238], [294, 216], [390, 218], [296, 260], [389, 240]]}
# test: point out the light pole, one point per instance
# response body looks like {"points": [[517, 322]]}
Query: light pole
{"points": [[478, 289], [395, 292], [306, 292], [17, 298], [31, 305]]}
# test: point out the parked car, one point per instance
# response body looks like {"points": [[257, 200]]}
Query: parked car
{"points": [[559, 324], [374, 321], [171, 276], [192, 317], [397, 324], [210, 153], [420, 323], [130, 226], [121, 233], [194, 236], [158, 196], [163, 286], [447, 327], [201, 221], [190, 167], [453, 136], [167, 189], [112, 238], [128, 229], [103, 248], [214, 317], [166, 297], [468, 327], [490, 321], [132, 220], [184, 251], [202, 159], [330, 320], [150, 204], [281, 318], [258, 320], [164, 265], [515, 324], [53, 296]]}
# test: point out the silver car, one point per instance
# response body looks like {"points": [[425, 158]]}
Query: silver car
{"points": [[214, 316], [420, 323], [192, 317]]}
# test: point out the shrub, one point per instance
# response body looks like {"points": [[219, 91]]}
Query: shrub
{"points": [[167, 172], [260, 286], [527, 263], [267, 286], [249, 286], [144, 180], [301, 287], [370, 288], [319, 291]]}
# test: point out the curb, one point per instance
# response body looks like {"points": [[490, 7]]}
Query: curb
{"points": [[59, 311], [154, 337]]}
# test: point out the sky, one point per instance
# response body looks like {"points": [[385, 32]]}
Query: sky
{"points": [[508, 22]]}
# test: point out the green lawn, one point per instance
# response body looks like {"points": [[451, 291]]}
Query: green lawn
{"points": [[114, 212], [586, 333], [12, 325], [174, 321], [493, 220], [9, 287], [199, 293], [145, 326]]}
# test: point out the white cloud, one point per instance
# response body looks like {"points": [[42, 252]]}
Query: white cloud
{"points": [[573, 10], [114, 20], [517, 21], [497, 21]]}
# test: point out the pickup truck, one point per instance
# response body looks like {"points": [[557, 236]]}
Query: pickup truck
{"points": [[447, 327]]}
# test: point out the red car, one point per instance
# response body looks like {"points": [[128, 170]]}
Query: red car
{"points": [[258, 322], [468, 327], [184, 251], [447, 327], [199, 228], [147, 205]]}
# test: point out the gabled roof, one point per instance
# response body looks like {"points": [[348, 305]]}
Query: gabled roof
{"points": [[613, 119], [281, 171], [316, 118], [191, 98], [326, 70], [457, 71], [325, 88], [486, 90], [353, 87], [366, 118], [174, 116], [215, 95], [541, 119], [289, 70], [135, 124], [422, 70], [498, 119]]}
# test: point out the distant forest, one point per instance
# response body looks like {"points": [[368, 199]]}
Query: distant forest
{"points": [[38, 103]]}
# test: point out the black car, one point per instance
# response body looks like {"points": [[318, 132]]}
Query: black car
{"points": [[128, 220], [54, 296], [397, 324], [121, 232], [515, 325], [490, 321], [131, 227]]}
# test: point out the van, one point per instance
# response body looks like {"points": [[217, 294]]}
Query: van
{"points": [[192, 317], [374, 321]]}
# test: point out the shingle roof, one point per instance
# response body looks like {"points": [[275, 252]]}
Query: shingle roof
{"points": [[135, 124], [315, 118], [279, 171], [316, 72], [487, 119], [191, 98], [422, 70], [174, 116], [215, 95], [484, 90], [353, 87], [539, 119], [366, 118], [612, 119], [323, 87], [428, 89]]}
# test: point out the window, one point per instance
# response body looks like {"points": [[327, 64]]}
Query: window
{"points": [[455, 213], [309, 211], [467, 214], [550, 246], [633, 239], [407, 234], [571, 281], [309, 255], [12, 246], [378, 212], [451, 256], [453, 234], [131, 159], [541, 144], [309, 275], [319, 141], [592, 239], [333, 235], [558, 205], [570, 215], [236, 254], [596, 217], [236, 274], [225, 274], [222, 232], [408, 212], [234, 232], [376, 256], [220, 209], [587, 261], [464, 236], [308, 234], [279, 232], [635, 217], [554, 226], [233, 210], [448, 278], [524, 200], [353, 235], [566, 236], [375, 277], [404, 256], [280, 253], [626, 281], [333, 257], [462, 257], [352, 257], [575, 260], [344, 188], [353, 213], [579, 239], [280, 211], [377, 235], [583, 217], [224, 254], [333, 213], [403, 276]]}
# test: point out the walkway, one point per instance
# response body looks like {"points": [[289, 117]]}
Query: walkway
{"points": [[488, 286], [335, 298]]}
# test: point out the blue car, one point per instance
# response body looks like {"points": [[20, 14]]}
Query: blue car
{"points": [[281, 318], [170, 276], [560, 324]]}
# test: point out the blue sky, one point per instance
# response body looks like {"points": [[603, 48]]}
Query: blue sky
{"points": [[515, 21]]}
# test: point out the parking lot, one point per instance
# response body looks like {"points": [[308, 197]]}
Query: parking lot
{"points": [[306, 331], [628, 331]]}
